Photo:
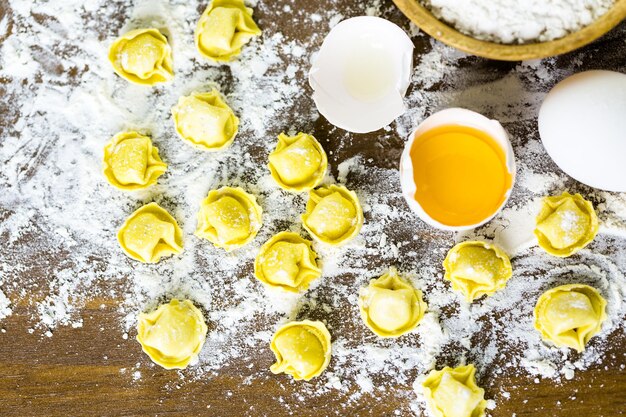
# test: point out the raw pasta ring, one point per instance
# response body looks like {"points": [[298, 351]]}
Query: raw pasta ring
{"points": [[172, 335], [287, 261], [477, 268], [298, 163], [142, 56], [223, 29], [566, 224], [333, 214], [132, 162], [390, 306], [229, 218], [205, 121], [453, 392], [570, 315], [150, 233], [302, 349]]}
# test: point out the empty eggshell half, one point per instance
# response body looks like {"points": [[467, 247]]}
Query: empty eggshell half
{"points": [[361, 74]]}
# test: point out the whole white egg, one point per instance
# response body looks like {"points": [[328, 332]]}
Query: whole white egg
{"points": [[582, 123]]}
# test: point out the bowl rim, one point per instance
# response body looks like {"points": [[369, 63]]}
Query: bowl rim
{"points": [[447, 34]]}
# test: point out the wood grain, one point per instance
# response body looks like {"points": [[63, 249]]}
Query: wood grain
{"points": [[89, 371], [77, 373]]}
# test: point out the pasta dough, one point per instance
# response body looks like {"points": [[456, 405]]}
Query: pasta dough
{"points": [[333, 214], [287, 261], [205, 120], [302, 349], [131, 162], [477, 268], [570, 315], [298, 163], [224, 27], [452, 392], [142, 56], [150, 233], [390, 306], [173, 334], [229, 218], [566, 224]]}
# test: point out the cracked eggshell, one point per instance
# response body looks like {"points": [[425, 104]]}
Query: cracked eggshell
{"points": [[361, 74], [462, 117]]}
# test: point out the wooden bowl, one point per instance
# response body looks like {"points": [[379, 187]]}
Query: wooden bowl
{"points": [[426, 21]]}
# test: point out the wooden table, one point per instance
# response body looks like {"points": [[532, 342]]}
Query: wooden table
{"points": [[88, 371]]}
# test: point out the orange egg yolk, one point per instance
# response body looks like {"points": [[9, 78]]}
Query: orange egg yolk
{"points": [[460, 174]]}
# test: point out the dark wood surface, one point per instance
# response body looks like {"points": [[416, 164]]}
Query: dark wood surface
{"points": [[77, 372]]}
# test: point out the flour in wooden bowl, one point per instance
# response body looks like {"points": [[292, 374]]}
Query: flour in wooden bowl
{"points": [[518, 21]]}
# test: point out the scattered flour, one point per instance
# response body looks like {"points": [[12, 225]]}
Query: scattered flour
{"points": [[5, 306], [58, 216]]}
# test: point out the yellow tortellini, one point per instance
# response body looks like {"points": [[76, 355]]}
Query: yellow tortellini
{"points": [[287, 261], [390, 306], [477, 268], [302, 349], [333, 214], [224, 27], [131, 162], [150, 233], [229, 218], [142, 56], [566, 224], [570, 315], [453, 392], [205, 120], [298, 163], [173, 334]]}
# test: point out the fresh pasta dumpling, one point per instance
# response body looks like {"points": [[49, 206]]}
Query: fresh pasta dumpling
{"points": [[205, 120], [453, 392], [224, 27], [302, 349], [287, 261], [477, 268], [333, 214], [132, 162], [142, 56], [570, 315], [173, 334], [150, 233], [566, 224], [229, 218], [390, 306], [298, 163]]}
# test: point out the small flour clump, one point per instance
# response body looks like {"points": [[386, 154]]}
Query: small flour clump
{"points": [[514, 21]]}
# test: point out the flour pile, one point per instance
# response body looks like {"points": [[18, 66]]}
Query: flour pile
{"points": [[514, 21]]}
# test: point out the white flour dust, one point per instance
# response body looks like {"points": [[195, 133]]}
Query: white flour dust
{"points": [[58, 216], [515, 21]]}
